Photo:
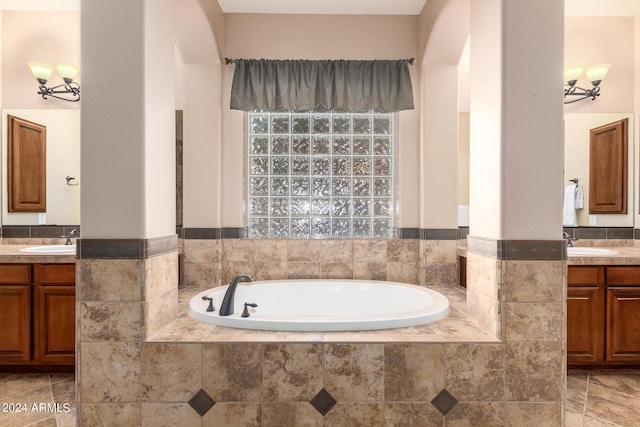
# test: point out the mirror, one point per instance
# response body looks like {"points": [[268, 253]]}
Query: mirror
{"points": [[62, 161], [576, 164]]}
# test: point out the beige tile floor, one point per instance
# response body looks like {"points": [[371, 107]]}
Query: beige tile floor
{"points": [[29, 400], [605, 398], [593, 399]]}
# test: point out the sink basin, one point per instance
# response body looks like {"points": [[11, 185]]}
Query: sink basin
{"points": [[589, 251], [50, 249]]}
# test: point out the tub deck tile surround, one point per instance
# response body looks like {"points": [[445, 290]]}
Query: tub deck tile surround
{"points": [[268, 378], [455, 328], [377, 377]]}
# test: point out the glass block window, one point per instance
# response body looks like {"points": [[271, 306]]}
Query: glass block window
{"points": [[320, 175]]}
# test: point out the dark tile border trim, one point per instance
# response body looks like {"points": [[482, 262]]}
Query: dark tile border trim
{"points": [[518, 249], [463, 232], [439, 234], [602, 232], [201, 233], [212, 233], [234, 232], [215, 233], [126, 248], [406, 233], [36, 231]]}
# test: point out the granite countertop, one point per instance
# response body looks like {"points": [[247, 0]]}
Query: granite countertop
{"points": [[622, 255], [10, 254]]}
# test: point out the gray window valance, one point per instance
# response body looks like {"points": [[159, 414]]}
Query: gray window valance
{"points": [[304, 85]]}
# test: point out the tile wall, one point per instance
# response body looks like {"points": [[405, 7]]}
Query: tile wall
{"points": [[212, 262], [119, 303]]}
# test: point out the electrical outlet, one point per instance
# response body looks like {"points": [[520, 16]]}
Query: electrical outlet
{"points": [[592, 219], [42, 218]]}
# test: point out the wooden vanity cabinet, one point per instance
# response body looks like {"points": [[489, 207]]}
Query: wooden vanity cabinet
{"points": [[37, 314], [15, 313], [54, 311], [585, 315], [603, 316], [623, 314]]}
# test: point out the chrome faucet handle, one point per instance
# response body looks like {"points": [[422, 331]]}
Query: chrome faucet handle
{"points": [[569, 239], [68, 236]]}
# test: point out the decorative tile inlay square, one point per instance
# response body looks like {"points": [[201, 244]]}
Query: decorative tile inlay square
{"points": [[323, 401], [202, 402], [444, 401]]}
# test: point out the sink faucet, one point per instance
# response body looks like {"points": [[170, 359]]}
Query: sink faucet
{"points": [[69, 235], [570, 239], [226, 309]]}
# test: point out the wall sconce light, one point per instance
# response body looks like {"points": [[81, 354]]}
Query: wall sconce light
{"points": [[43, 72], [595, 74]]}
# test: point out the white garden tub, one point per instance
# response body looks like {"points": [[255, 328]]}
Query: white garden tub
{"points": [[324, 305]]}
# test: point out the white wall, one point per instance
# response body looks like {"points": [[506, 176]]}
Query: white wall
{"points": [[41, 36], [202, 131], [602, 40], [128, 135], [516, 128], [63, 159]]}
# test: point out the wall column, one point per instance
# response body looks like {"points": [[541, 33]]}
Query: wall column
{"points": [[126, 272], [446, 27], [438, 175], [516, 258]]}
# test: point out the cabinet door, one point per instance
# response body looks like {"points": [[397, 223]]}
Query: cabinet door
{"points": [[585, 325], [55, 319], [15, 318], [623, 318]]}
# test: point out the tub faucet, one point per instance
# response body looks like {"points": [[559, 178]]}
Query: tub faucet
{"points": [[226, 309]]}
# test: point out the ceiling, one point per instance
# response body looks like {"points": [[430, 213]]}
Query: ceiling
{"points": [[39, 4], [408, 7], [339, 7], [360, 7], [602, 7]]}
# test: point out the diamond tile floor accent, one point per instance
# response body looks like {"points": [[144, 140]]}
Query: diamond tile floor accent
{"points": [[323, 401], [444, 401], [202, 402]]}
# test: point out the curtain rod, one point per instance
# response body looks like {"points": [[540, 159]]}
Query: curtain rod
{"points": [[228, 61]]}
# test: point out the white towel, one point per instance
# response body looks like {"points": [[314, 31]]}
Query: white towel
{"points": [[573, 199], [579, 197]]}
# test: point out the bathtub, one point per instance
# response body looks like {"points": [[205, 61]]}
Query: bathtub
{"points": [[324, 305]]}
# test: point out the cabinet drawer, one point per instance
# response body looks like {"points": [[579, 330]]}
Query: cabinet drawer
{"points": [[52, 274], [15, 274], [585, 275], [623, 276]]}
